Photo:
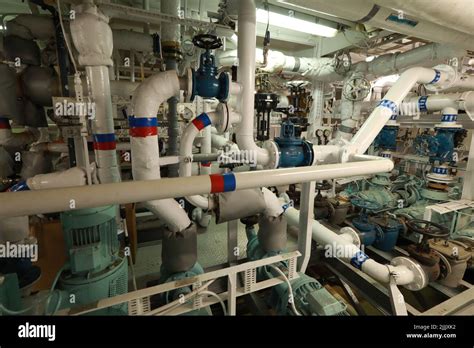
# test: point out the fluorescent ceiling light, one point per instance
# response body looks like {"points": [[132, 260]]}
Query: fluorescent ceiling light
{"points": [[292, 23]]}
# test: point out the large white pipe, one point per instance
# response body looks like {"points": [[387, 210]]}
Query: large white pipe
{"points": [[151, 190], [247, 23], [454, 14], [351, 253], [92, 38], [366, 12], [389, 105], [144, 141]]}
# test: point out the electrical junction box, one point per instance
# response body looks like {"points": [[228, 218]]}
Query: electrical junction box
{"points": [[322, 302]]}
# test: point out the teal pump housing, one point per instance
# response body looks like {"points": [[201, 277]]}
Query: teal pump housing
{"points": [[96, 268]]}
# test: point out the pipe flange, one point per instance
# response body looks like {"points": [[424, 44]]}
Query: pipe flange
{"points": [[273, 153], [452, 76], [354, 235], [420, 279], [223, 125]]}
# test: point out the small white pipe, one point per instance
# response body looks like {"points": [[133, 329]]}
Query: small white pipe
{"points": [[326, 237], [204, 121], [273, 204], [69, 178], [150, 190], [144, 143]]}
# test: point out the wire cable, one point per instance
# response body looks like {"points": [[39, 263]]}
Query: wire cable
{"points": [[213, 294], [290, 289], [66, 40]]}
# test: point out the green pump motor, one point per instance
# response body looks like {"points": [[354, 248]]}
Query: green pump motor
{"points": [[96, 267]]}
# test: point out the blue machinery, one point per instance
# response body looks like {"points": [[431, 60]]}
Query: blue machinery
{"points": [[294, 152], [207, 83]]}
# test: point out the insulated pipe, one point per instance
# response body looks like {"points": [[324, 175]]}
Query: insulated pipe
{"points": [[454, 14], [151, 188], [203, 121], [92, 38], [322, 69], [246, 77], [368, 13], [144, 141], [389, 105], [351, 253]]}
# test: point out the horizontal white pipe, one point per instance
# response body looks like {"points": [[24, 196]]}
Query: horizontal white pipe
{"points": [[381, 114], [145, 152], [69, 178], [357, 10], [56, 200], [454, 14], [325, 237]]}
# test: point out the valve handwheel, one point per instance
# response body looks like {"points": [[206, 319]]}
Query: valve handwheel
{"points": [[427, 228], [207, 41], [356, 88]]}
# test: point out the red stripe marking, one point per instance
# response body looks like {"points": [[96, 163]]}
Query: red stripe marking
{"points": [[143, 132], [217, 183], [110, 145], [208, 164], [5, 125], [198, 123]]}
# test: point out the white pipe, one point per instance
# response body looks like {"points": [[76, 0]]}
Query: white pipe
{"points": [[454, 14], [246, 77], [92, 38], [326, 237], [389, 106], [322, 69], [204, 121], [363, 11], [272, 203], [149, 189], [69, 178], [144, 141]]}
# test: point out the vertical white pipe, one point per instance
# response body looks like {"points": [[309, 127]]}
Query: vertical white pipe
{"points": [[246, 77]]}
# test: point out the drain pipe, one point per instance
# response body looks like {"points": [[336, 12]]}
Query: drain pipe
{"points": [[148, 97], [246, 77], [94, 53]]}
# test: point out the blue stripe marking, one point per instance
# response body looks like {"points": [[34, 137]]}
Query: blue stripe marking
{"points": [[449, 118], [204, 118], [358, 259], [20, 186], [439, 170], [229, 182], [104, 138], [437, 77], [422, 103], [390, 105], [142, 121]]}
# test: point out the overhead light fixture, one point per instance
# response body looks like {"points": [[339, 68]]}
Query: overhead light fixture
{"points": [[292, 23]]}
